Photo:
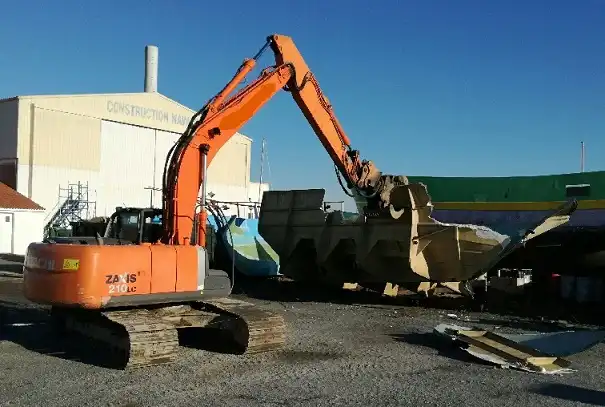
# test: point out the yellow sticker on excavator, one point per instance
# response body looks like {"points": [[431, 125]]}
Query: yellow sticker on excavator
{"points": [[71, 264]]}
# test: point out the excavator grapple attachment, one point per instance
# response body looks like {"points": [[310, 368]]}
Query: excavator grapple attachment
{"points": [[410, 247]]}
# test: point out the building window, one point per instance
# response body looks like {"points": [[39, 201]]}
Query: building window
{"points": [[577, 191], [8, 172]]}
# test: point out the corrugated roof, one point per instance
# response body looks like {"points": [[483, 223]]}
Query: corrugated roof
{"points": [[77, 95], [84, 95], [11, 199]]}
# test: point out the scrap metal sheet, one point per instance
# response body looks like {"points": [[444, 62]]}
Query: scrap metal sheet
{"points": [[533, 352]]}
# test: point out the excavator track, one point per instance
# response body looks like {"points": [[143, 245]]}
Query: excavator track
{"points": [[255, 330], [133, 337], [142, 337]]}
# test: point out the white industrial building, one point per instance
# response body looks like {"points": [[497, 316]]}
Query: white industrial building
{"points": [[107, 150]]}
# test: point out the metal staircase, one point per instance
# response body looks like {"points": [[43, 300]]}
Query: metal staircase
{"points": [[73, 205]]}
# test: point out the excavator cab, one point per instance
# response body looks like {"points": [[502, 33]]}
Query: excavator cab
{"points": [[125, 226], [136, 225]]}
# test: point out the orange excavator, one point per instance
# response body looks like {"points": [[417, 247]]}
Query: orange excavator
{"points": [[132, 295]]}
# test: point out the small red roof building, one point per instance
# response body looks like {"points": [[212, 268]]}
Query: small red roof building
{"points": [[11, 199]]}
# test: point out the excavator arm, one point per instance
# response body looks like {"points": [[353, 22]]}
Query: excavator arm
{"points": [[211, 127]]}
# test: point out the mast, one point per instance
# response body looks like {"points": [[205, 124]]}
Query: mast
{"points": [[582, 157], [262, 165]]}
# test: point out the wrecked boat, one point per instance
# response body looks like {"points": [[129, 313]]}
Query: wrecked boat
{"points": [[412, 249], [252, 255], [498, 201]]}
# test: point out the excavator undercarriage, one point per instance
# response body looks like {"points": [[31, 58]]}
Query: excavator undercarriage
{"points": [[140, 330], [140, 337]]}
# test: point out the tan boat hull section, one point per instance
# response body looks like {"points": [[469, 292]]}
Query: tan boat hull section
{"points": [[313, 244]]}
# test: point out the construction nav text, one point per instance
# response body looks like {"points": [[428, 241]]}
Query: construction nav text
{"points": [[131, 110]]}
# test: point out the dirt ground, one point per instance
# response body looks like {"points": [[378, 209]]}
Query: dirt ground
{"points": [[343, 350]]}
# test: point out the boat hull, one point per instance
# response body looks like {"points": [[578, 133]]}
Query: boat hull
{"points": [[576, 247], [243, 244]]}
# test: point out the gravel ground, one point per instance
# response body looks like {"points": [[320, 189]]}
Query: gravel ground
{"points": [[336, 355]]}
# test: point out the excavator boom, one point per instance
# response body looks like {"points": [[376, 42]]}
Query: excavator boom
{"points": [[223, 115]]}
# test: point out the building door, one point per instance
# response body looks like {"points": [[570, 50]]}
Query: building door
{"points": [[6, 232]]}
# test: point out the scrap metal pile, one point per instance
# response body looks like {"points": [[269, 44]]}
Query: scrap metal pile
{"points": [[407, 249]]}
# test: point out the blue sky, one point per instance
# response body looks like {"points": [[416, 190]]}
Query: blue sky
{"points": [[458, 88]]}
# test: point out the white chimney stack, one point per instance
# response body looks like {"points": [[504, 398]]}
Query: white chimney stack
{"points": [[151, 68]]}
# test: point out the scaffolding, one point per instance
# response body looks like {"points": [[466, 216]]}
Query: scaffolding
{"points": [[73, 205]]}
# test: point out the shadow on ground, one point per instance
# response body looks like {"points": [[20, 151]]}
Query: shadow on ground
{"points": [[284, 290], [16, 258], [208, 339], [529, 324], [571, 393], [12, 263], [537, 302], [444, 347], [31, 328], [532, 306]]}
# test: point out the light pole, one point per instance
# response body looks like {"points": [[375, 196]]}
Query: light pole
{"points": [[151, 191]]}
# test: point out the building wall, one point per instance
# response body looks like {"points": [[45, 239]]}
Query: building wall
{"points": [[19, 228], [151, 110], [28, 228], [70, 139], [7, 223], [127, 166], [64, 148], [230, 167], [255, 194], [124, 183]]}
